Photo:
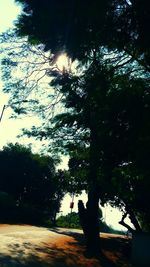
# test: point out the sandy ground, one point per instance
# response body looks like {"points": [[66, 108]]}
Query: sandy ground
{"points": [[25, 245]]}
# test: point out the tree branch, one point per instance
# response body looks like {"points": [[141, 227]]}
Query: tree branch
{"points": [[122, 222]]}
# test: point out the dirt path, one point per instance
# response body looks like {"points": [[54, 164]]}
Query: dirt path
{"points": [[30, 246]]}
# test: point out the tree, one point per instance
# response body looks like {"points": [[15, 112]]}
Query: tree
{"points": [[30, 179], [122, 146]]}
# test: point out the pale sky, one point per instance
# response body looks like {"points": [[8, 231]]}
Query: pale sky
{"points": [[8, 13], [10, 128]]}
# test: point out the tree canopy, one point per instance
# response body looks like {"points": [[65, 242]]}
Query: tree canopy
{"points": [[31, 180], [79, 27]]}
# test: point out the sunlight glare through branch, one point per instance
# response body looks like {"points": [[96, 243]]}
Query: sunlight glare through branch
{"points": [[63, 62]]}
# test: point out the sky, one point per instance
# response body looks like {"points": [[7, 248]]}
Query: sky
{"points": [[8, 13], [10, 128]]}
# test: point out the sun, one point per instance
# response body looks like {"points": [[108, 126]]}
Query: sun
{"points": [[63, 62]]}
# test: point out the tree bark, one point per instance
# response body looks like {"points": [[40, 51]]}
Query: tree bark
{"points": [[122, 222], [133, 219], [90, 224], [89, 215]]}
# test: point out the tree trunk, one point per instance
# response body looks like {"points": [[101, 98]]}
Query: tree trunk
{"points": [[93, 239], [133, 219], [90, 223], [89, 215], [123, 223]]}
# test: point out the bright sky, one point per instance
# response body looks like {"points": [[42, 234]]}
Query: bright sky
{"points": [[8, 13], [10, 128], [110, 215]]}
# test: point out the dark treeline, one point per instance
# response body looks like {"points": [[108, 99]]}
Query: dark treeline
{"points": [[30, 190]]}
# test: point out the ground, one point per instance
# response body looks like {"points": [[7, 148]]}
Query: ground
{"points": [[30, 246]]}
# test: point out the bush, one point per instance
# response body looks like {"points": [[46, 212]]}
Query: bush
{"points": [[72, 220]]}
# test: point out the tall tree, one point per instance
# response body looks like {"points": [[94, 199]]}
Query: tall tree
{"points": [[121, 137]]}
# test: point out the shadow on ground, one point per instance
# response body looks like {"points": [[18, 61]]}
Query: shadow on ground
{"points": [[68, 250], [116, 250]]}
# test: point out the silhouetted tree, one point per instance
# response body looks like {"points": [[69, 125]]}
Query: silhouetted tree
{"points": [[30, 179]]}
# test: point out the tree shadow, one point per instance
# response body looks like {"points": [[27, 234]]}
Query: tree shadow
{"points": [[115, 250], [65, 252], [51, 257], [8, 261], [79, 237]]}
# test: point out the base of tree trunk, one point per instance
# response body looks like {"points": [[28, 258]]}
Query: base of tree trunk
{"points": [[90, 226]]}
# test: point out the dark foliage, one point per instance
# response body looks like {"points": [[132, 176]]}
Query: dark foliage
{"points": [[78, 27], [30, 188]]}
